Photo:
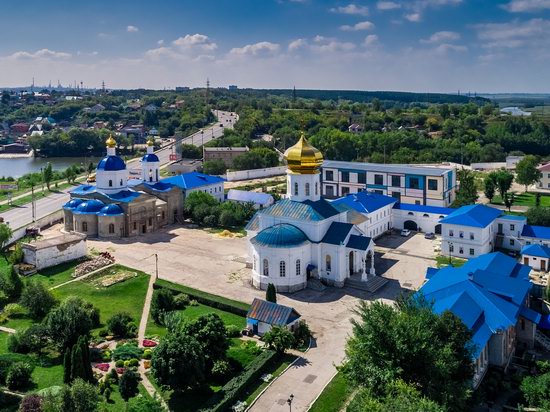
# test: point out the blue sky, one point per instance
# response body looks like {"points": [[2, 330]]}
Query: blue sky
{"points": [[418, 45]]}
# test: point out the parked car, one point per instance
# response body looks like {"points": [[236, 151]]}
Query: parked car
{"points": [[405, 232], [429, 235]]}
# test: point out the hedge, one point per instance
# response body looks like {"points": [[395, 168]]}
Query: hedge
{"points": [[9, 402], [218, 302], [230, 393]]}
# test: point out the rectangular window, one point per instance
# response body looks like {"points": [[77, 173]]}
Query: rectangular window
{"points": [[329, 191], [345, 176], [345, 191], [135, 225], [512, 242], [396, 181], [414, 183], [378, 179], [432, 184], [461, 234], [451, 233], [451, 248], [361, 177], [417, 202], [472, 252], [471, 235], [512, 227], [527, 243], [396, 195], [329, 175]]}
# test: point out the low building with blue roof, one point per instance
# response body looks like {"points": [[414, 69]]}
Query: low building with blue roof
{"points": [[120, 207], [419, 217], [198, 182], [490, 294], [259, 200], [263, 315], [537, 256]]}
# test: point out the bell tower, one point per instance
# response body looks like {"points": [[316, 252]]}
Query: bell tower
{"points": [[150, 164], [303, 174]]}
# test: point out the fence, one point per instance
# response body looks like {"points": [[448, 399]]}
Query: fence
{"points": [[255, 173]]}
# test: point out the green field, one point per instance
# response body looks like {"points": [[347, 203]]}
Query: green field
{"points": [[442, 261], [55, 275], [524, 199], [334, 396]]}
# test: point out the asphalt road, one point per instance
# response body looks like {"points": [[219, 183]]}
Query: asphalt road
{"points": [[22, 216]]}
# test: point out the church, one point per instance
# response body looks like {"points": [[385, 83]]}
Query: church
{"points": [[303, 236], [117, 206]]}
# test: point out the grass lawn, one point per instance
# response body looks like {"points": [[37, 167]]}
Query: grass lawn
{"points": [[444, 261], [55, 275], [116, 403], [333, 397], [4, 342], [524, 199]]}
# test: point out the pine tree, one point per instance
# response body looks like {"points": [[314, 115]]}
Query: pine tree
{"points": [[67, 367], [88, 373], [47, 175], [271, 293], [77, 366], [15, 284]]}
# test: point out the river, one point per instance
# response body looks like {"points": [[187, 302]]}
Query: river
{"points": [[17, 167]]}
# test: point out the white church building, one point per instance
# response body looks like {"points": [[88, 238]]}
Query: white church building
{"points": [[304, 236]]}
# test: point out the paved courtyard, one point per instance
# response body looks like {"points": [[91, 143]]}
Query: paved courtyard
{"points": [[216, 264]]}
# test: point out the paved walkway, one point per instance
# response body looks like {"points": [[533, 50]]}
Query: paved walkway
{"points": [[7, 330]]}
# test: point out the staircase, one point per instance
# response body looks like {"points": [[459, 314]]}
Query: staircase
{"points": [[542, 340], [315, 284], [372, 285]]}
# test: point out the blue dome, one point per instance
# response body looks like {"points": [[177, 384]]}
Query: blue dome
{"points": [[72, 204], [282, 235], [89, 207], [151, 157], [111, 210], [111, 163]]}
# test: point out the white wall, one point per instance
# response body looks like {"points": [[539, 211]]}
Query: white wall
{"points": [[215, 190], [425, 221], [535, 261], [255, 173], [481, 243], [54, 255]]}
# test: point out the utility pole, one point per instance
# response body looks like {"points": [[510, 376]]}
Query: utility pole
{"points": [[206, 95], [33, 206], [156, 266]]}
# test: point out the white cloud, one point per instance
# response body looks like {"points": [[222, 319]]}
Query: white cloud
{"points": [[186, 47], [321, 44], [521, 6], [39, 54], [199, 41], [387, 5], [297, 44], [413, 17], [132, 29], [446, 47], [534, 33], [371, 40], [363, 25], [263, 48], [160, 42], [441, 37], [351, 8], [418, 7]]}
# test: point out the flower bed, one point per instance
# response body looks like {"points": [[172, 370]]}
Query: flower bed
{"points": [[103, 367], [148, 343]]}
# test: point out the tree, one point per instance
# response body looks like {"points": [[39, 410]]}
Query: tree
{"points": [[67, 367], [189, 151], [210, 332], [509, 199], [145, 404], [538, 216], [91, 168], [47, 175], [120, 325], [467, 191], [77, 363], [537, 199], [279, 338], [526, 171], [178, 361], [37, 299], [162, 303], [536, 390], [489, 185], [504, 181], [19, 376], [84, 397], [410, 342], [5, 235], [271, 293], [14, 285], [69, 321], [214, 167], [128, 384]]}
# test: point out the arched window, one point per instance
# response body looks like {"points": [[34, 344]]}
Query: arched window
{"points": [[410, 214], [441, 216], [296, 189], [328, 263], [266, 267], [111, 228], [282, 268], [84, 226], [110, 183], [254, 263], [316, 188], [298, 267], [307, 189], [157, 174], [426, 215], [121, 182]]}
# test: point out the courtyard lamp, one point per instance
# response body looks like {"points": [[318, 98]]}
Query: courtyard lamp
{"points": [[289, 401]]}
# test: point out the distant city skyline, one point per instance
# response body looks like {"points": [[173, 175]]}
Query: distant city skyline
{"points": [[483, 46]]}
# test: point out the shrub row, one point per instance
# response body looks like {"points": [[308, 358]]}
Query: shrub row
{"points": [[236, 387], [218, 302]]}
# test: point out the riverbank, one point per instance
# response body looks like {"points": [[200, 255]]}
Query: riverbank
{"points": [[16, 155]]}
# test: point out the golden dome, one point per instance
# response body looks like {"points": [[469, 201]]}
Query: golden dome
{"points": [[303, 158], [150, 142], [110, 142]]}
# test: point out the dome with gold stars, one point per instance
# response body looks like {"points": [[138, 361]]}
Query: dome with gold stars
{"points": [[303, 158]]}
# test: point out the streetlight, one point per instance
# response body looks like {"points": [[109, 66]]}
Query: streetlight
{"points": [[450, 256], [202, 137], [289, 401]]}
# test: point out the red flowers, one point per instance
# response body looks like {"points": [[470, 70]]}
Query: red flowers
{"points": [[148, 343]]}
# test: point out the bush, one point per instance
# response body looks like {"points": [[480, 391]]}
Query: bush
{"points": [[37, 300], [133, 363], [19, 376], [181, 300], [107, 394], [5, 362], [233, 331], [221, 370], [127, 352], [119, 364], [147, 354], [103, 333], [121, 325], [302, 334], [162, 303], [193, 302], [232, 390], [14, 310], [31, 403], [16, 255], [32, 339], [112, 376]]}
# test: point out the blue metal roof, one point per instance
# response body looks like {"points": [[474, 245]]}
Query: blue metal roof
{"points": [[322, 207], [192, 180], [308, 210], [512, 217], [125, 196], [111, 210], [271, 313], [83, 190], [473, 215], [541, 232], [246, 196], [157, 187], [89, 207], [358, 242], [337, 233], [536, 250], [111, 163], [282, 235], [487, 293], [424, 209], [72, 204], [366, 202], [150, 157]]}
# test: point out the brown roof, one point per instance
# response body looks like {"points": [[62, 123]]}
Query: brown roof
{"points": [[544, 167]]}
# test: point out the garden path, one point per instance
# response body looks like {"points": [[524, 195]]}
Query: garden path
{"points": [[7, 330]]}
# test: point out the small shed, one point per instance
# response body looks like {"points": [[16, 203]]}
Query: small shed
{"points": [[537, 256], [263, 315], [55, 250], [260, 200]]}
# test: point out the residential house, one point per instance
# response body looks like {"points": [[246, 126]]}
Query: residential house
{"points": [[198, 182], [537, 256], [263, 315], [419, 217], [355, 128], [19, 128], [544, 181]]}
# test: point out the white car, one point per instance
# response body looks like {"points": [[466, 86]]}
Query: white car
{"points": [[405, 232]]}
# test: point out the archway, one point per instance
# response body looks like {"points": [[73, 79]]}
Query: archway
{"points": [[438, 229], [351, 256], [411, 225]]}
